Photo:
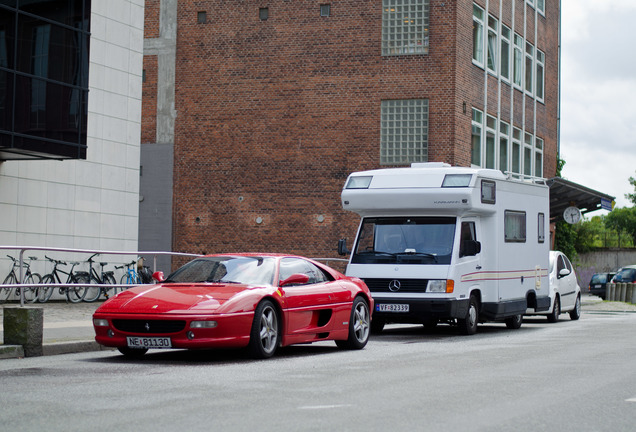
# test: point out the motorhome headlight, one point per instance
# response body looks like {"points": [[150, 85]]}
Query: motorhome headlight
{"points": [[440, 286], [359, 182]]}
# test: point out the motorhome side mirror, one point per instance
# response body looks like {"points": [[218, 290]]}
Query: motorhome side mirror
{"points": [[471, 248], [342, 247]]}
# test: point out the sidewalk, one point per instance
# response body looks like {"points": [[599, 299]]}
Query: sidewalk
{"points": [[68, 327]]}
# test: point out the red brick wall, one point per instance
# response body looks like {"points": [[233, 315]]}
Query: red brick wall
{"points": [[273, 115], [151, 18], [149, 101]]}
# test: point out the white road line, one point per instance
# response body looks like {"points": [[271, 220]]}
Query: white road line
{"points": [[321, 407]]}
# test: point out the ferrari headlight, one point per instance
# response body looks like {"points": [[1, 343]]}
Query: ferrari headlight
{"points": [[440, 286], [100, 322], [203, 324]]}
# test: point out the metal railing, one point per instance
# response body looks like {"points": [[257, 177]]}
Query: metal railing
{"points": [[23, 249]]}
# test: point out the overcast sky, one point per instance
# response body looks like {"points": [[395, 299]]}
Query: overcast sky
{"points": [[598, 95]]}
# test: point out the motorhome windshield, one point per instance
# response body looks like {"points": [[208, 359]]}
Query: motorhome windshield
{"points": [[405, 240]]}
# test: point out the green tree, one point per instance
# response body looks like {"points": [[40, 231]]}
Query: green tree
{"points": [[565, 238], [632, 196], [622, 220], [590, 234]]}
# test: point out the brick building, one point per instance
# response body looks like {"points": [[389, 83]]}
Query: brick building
{"points": [[254, 112]]}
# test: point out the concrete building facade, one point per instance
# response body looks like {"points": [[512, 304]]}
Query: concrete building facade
{"points": [[266, 107], [89, 200]]}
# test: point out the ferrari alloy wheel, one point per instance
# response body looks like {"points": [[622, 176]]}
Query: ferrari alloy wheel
{"points": [[359, 326], [264, 334]]}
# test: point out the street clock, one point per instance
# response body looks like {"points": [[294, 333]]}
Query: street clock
{"points": [[572, 215]]}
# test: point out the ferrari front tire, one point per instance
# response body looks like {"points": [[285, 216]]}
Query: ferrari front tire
{"points": [[359, 326], [265, 330]]}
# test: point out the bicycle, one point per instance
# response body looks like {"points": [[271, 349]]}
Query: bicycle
{"points": [[74, 294], [103, 278], [131, 277], [30, 293]]}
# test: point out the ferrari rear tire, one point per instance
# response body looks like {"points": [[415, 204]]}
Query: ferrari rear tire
{"points": [[265, 330], [132, 352], [359, 326]]}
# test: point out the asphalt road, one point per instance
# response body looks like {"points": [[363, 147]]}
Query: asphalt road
{"points": [[568, 376]]}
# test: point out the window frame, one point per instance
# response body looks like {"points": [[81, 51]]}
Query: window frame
{"points": [[416, 31], [403, 136], [518, 62], [512, 219], [479, 27], [505, 47], [492, 45], [477, 123], [540, 75]]}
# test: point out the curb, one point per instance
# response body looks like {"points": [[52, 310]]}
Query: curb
{"points": [[54, 348]]}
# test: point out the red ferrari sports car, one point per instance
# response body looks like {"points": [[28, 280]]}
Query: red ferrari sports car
{"points": [[258, 301]]}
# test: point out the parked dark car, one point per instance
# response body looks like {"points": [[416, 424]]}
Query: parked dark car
{"points": [[625, 274], [598, 283]]}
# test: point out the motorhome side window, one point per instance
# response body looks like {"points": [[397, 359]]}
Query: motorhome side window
{"points": [[541, 227], [515, 226], [405, 240], [468, 236], [488, 192]]}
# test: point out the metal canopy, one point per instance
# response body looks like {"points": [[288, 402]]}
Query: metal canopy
{"points": [[564, 193]]}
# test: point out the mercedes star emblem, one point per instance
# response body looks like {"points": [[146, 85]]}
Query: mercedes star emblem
{"points": [[394, 285]]}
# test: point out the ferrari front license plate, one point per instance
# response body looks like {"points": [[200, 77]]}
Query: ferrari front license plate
{"points": [[149, 342], [392, 307]]}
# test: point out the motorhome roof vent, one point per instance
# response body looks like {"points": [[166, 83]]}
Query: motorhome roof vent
{"points": [[430, 165]]}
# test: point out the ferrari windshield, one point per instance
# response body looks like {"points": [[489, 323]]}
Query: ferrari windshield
{"points": [[405, 240], [227, 269]]}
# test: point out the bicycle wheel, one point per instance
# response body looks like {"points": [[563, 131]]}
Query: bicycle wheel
{"points": [[110, 279], [30, 293], [45, 292], [75, 294], [91, 293], [5, 292]]}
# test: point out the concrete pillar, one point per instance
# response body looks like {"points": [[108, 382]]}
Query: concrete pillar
{"points": [[622, 293], [24, 326], [609, 292], [633, 299], [629, 288]]}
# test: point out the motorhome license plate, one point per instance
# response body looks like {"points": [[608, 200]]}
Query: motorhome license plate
{"points": [[392, 307], [148, 342]]}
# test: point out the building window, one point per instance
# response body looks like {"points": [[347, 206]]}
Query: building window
{"points": [[405, 27], [504, 134], [540, 90], [202, 17], [518, 61], [325, 10], [478, 35], [493, 26], [504, 69], [515, 226], [516, 150], [491, 132], [263, 14], [44, 61], [538, 157], [541, 6], [477, 128], [529, 68], [527, 155], [404, 131]]}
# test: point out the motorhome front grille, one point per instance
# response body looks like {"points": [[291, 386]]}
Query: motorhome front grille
{"points": [[396, 285], [149, 326]]}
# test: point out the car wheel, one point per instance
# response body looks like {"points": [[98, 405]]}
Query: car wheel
{"points": [[359, 326], [132, 352], [468, 325], [377, 325], [514, 322], [576, 312], [265, 329], [556, 310]]}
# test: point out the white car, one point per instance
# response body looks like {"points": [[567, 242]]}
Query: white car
{"points": [[565, 293]]}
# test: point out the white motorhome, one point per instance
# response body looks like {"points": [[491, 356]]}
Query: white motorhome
{"points": [[440, 243]]}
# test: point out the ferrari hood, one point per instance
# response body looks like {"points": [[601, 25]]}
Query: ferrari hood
{"points": [[173, 297]]}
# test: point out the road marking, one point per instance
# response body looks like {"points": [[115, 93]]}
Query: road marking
{"points": [[321, 407], [631, 399]]}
